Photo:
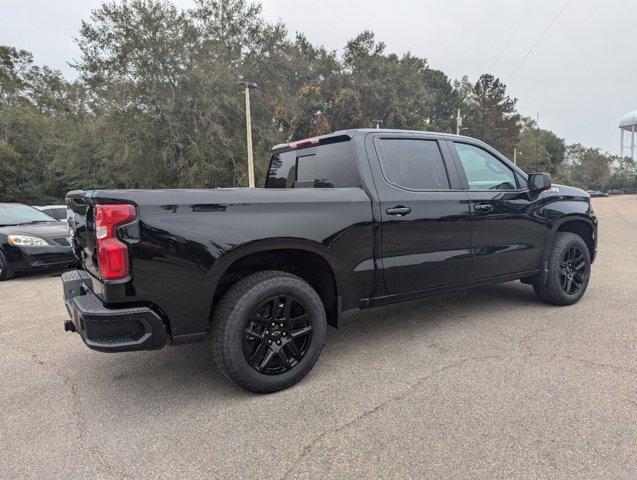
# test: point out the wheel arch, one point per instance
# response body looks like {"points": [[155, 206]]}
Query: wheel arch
{"points": [[303, 259], [582, 227]]}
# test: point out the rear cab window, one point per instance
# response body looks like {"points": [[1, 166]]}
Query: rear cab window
{"points": [[324, 166]]}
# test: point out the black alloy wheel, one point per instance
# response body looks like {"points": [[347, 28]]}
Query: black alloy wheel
{"points": [[569, 269], [572, 270], [268, 331], [277, 335]]}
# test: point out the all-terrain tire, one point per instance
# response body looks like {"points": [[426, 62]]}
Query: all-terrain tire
{"points": [[236, 310], [553, 291]]}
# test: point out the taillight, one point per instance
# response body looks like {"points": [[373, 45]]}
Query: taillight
{"points": [[112, 255]]}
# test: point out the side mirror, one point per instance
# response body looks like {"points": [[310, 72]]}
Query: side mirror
{"points": [[539, 182]]}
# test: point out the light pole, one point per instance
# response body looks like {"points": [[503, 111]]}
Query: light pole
{"points": [[378, 124], [247, 87], [458, 123]]}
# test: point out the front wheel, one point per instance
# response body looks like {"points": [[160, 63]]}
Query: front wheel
{"points": [[569, 270], [268, 331]]}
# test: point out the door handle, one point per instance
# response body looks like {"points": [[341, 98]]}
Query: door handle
{"points": [[398, 210], [483, 207]]}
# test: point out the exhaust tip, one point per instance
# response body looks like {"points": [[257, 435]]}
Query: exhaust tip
{"points": [[69, 326]]}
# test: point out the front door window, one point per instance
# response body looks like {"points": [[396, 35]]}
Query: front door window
{"points": [[483, 170]]}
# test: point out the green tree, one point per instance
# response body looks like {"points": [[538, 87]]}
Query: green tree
{"points": [[163, 85], [14, 65], [403, 92], [623, 173], [26, 150], [157, 103], [33, 100], [490, 115], [539, 150], [587, 167]]}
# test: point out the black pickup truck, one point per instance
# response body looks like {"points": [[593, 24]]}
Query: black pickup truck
{"points": [[354, 219]]}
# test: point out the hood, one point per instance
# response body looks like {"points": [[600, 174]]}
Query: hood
{"points": [[51, 229], [565, 191]]}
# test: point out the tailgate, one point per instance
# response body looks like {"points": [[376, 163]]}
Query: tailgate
{"points": [[80, 219]]}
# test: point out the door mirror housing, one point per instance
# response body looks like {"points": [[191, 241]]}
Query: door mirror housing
{"points": [[538, 182]]}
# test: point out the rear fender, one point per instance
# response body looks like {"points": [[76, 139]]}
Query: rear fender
{"points": [[223, 264]]}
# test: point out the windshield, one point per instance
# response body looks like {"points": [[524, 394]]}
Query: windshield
{"points": [[17, 214]]}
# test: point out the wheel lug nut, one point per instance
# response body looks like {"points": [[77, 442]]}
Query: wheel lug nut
{"points": [[270, 342], [267, 332], [273, 324], [281, 325], [278, 342]]}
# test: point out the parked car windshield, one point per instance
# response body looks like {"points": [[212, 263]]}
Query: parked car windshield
{"points": [[17, 214]]}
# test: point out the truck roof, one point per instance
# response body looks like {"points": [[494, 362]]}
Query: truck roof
{"points": [[345, 135]]}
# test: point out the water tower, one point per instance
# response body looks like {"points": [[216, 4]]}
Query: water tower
{"points": [[628, 123]]}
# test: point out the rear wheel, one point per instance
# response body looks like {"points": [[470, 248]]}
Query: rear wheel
{"points": [[5, 273], [569, 271], [268, 331]]}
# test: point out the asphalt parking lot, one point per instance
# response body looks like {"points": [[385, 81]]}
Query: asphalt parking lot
{"points": [[488, 383]]}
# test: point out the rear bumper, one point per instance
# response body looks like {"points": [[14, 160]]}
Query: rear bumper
{"points": [[109, 329]]}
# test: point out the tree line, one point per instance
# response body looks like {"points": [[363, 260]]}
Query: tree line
{"points": [[156, 104]]}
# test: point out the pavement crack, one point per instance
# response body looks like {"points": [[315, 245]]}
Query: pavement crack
{"points": [[410, 389], [80, 421], [524, 343], [392, 399], [590, 363]]}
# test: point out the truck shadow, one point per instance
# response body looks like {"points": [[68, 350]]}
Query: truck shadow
{"points": [[185, 375]]}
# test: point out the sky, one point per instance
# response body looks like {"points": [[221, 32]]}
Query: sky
{"points": [[579, 80]]}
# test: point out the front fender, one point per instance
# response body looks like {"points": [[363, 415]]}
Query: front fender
{"points": [[560, 206], [560, 211]]}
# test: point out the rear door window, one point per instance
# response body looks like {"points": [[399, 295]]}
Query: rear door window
{"points": [[413, 164]]}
